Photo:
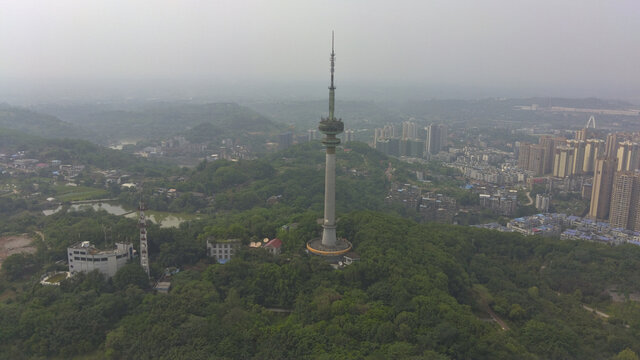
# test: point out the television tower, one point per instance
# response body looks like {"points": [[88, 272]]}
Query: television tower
{"points": [[330, 126], [144, 252]]}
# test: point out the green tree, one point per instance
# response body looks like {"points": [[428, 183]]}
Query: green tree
{"points": [[18, 265], [131, 274], [626, 354]]}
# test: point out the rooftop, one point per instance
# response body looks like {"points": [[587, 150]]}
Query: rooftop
{"points": [[92, 250], [275, 243], [219, 241]]}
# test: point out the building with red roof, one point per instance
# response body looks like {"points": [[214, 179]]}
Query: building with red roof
{"points": [[274, 246]]}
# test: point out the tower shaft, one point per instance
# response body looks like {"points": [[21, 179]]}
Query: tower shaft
{"points": [[144, 250], [329, 223]]}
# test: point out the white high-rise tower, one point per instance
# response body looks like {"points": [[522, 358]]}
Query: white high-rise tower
{"points": [[330, 126]]}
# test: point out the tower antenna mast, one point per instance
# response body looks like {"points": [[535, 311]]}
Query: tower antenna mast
{"points": [[332, 88]]}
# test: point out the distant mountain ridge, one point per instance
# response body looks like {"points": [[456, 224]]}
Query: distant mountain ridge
{"points": [[162, 120], [38, 124]]}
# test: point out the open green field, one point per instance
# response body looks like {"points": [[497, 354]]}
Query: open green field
{"points": [[75, 193]]}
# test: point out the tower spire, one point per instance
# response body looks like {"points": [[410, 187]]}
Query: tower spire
{"points": [[332, 88]]}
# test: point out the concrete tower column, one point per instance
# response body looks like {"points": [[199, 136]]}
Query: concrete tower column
{"points": [[329, 224]]}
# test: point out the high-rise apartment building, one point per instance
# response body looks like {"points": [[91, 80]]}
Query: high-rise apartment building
{"points": [[311, 135], [628, 155], [409, 130], [436, 138], [537, 159], [594, 148], [549, 144], [285, 140], [602, 187], [386, 132], [349, 136], [579, 149], [613, 142], [625, 201], [563, 161], [523, 155]]}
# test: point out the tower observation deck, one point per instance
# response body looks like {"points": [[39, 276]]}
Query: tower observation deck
{"points": [[329, 244]]}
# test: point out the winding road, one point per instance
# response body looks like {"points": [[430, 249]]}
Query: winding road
{"points": [[528, 193]]}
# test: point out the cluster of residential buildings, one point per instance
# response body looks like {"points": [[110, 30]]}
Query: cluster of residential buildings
{"points": [[594, 230], [563, 157], [604, 167], [18, 164], [568, 227], [179, 146], [483, 170], [232, 152], [414, 140], [429, 206], [174, 146], [540, 224], [502, 201]]}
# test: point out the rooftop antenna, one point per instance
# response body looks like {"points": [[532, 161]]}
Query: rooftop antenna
{"points": [[332, 88]]}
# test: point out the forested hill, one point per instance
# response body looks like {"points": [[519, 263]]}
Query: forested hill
{"points": [[419, 292], [75, 151], [295, 177], [38, 124], [155, 121]]}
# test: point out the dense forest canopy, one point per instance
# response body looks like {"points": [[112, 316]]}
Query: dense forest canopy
{"points": [[420, 291]]}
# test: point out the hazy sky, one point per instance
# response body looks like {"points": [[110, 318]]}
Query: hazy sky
{"points": [[592, 47]]}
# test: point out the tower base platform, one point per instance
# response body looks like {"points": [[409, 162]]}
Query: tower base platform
{"points": [[315, 247]]}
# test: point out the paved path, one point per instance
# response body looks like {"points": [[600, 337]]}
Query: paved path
{"points": [[92, 201], [599, 313], [530, 199], [279, 310], [495, 318]]}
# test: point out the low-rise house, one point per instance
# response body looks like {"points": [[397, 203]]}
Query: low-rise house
{"points": [[222, 250], [274, 246]]}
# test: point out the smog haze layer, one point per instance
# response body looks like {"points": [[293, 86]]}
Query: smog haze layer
{"points": [[279, 49]]}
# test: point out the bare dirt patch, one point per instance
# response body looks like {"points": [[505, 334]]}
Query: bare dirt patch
{"points": [[14, 244]]}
